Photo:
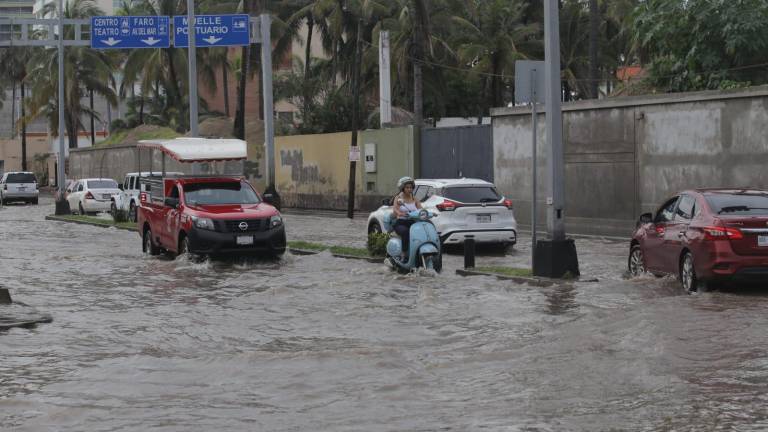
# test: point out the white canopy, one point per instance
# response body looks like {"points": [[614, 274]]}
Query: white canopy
{"points": [[199, 149]]}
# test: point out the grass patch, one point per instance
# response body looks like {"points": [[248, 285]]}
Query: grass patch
{"points": [[506, 271], [97, 221], [341, 250]]}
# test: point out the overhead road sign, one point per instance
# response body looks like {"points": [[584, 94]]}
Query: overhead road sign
{"points": [[118, 32], [213, 30]]}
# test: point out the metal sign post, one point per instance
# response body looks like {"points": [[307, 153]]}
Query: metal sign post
{"points": [[62, 156], [192, 57], [529, 88]]}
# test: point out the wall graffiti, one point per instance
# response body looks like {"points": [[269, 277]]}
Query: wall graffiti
{"points": [[299, 172]]}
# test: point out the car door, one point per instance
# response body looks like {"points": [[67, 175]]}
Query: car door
{"points": [[654, 238], [171, 225], [74, 197], [674, 236]]}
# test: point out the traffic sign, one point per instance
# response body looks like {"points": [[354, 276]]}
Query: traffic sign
{"points": [[116, 32], [213, 30]]}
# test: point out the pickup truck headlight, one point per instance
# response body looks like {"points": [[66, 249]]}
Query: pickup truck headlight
{"points": [[203, 223], [275, 221]]}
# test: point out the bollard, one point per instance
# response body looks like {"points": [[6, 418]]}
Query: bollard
{"points": [[469, 252], [5, 296]]}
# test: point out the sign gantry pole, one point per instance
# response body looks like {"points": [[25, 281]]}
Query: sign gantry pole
{"points": [[62, 150], [191, 23]]}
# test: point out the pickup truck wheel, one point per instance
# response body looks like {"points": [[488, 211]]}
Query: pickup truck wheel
{"points": [[149, 245], [132, 212]]}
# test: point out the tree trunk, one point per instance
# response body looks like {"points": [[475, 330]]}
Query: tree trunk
{"points": [[93, 123], [239, 131], [226, 86], [13, 110], [307, 62], [594, 26], [174, 95], [23, 131]]}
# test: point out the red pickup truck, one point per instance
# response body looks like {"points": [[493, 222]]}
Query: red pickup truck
{"points": [[205, 214]]}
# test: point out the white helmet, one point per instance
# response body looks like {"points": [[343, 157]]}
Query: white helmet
{"points": [[404, 181]]}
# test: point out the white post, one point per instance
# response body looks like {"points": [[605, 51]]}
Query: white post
{"points": [[555, 166], [192, 68], [269, 128], [533, 165], [385, 89]]}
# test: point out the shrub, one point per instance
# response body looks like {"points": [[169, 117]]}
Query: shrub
{"points": [[117, 124], [377, 243]]}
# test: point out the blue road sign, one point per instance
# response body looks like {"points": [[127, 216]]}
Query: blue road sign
{"points": [[213, 30], [116, 32]]}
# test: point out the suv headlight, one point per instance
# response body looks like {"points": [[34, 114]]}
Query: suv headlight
{"points": [[203, 223], [275, 221]]}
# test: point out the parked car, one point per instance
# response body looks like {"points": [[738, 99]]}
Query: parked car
{"points": [[465, 207], [18, 186], [128, 198], [92, 195], [704, 236]]}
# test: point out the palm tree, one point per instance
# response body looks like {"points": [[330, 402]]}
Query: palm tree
{"points": [[492, 39], [14, 61], [84, 69]]}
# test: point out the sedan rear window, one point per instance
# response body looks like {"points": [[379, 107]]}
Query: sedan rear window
{"points": [[102, 184], [21, 178], [220, 193], [739, 204], [472, 194]]}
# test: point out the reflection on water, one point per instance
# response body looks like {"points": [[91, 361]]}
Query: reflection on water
{"points": [[319, 343]]}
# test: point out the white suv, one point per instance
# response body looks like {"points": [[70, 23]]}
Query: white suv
{"points": [[18, 186], [466, 207], [128, 198]]}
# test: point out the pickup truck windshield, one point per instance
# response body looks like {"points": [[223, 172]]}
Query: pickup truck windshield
{"points": [[219, 193]]}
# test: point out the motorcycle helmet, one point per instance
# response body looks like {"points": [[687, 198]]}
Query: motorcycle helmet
{"points": [[404, 181]]}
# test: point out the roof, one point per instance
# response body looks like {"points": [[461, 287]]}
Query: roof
{"points": [[199, 149], [456, 182]]}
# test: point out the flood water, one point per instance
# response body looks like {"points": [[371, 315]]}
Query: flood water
{"points": [[317, 343]]}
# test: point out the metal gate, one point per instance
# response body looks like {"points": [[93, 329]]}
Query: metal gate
{"points": [[455, 152]]}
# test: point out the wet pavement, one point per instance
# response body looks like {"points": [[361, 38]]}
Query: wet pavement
{"points": [[317, 343]]}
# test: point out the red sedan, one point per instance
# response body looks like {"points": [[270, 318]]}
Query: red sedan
{"points": [[705, 236]]}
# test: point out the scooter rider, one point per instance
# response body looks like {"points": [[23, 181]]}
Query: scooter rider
{"points": [[404, 203]]}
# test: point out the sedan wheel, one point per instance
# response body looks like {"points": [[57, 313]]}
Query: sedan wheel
{"points": [[82, 210], [688, 278], [636, 262]]}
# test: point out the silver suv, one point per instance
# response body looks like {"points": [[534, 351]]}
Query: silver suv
{"points": [[465, 207], [18, 186]]}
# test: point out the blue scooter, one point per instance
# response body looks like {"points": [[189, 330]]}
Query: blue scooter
{"points": [[424, 249]]}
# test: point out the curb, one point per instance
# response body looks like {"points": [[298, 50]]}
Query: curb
{"points": [[104, 225], [535, 281], [297, 251]]}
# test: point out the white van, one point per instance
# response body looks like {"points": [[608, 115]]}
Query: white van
{"points": [[18, 186]]}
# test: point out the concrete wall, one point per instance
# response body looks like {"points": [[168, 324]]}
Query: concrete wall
{"points": [[396, 156], [624, 156], [39, 160]]}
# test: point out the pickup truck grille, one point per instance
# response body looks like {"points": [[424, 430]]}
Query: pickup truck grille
{"points": [[254, 225]]}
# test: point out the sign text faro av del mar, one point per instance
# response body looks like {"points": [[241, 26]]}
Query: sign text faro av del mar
{"points": [[213, 30]]}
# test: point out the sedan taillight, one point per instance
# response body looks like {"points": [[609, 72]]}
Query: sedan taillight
{"points": [[88, 195], [721, 233], [508, 203]]}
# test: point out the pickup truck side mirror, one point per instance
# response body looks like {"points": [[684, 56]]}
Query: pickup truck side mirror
{"points": [[171, 202], [386, 202]]}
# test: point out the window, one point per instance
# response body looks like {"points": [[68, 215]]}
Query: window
{"points": [[127, 183], [132, 185], [685, 208], [220, 193], [80, 187], [739, 203], [472, 194], [21, 178], [430, 193], [421, 192], [102, 184], [667, 212]]}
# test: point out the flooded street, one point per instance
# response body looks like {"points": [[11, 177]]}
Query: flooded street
{"points": [[317, 343]]}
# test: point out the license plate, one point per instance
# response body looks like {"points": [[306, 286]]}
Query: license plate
{"points": [[483, 218], [762, 240], [245, 240], [22, 188], [105, 196]]}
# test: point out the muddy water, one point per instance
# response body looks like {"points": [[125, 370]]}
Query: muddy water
{"points": [[317, 343]]}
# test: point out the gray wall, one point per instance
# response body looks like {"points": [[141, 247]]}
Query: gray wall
{"points": [[453, 152], [624, 156]]}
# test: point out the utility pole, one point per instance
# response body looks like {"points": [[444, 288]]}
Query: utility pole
{"points": [[385, 89], [269, 110], [556, 256], [191, 22], [62, 206], [355, 120]]}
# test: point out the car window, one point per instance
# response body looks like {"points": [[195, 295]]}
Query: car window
{"points": [[739, 203], [174, 192], [430, 193], [472, 194], [80, 187], [21, 178], [127, 183], [685, 208], [102, 184], [667, 212], [420, 193]]}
